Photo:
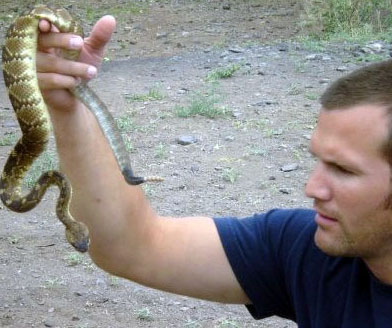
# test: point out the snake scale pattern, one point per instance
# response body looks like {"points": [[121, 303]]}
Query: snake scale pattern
{"points": [[19, 70]]}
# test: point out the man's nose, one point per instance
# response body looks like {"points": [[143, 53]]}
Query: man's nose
{"points": [[318, 186]]}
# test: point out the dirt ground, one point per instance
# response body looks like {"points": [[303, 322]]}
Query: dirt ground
{"points": [[252, 158]]}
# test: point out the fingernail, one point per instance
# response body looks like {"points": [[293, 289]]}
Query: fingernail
{"points": [[76, 42], [91, 71], [78, 80]]}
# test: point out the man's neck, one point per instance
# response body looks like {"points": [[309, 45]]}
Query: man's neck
{"points": [[381, 268]]}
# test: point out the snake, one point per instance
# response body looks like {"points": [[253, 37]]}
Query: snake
{"points": [[20, 77]]}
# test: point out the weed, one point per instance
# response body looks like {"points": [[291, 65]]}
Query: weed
{"points": [[161, 151], [46, 162], [256, 150], [223, 73], [192, 324], [294, 90], [128, 143], [113, 281], [125, 123], [9, 139], [228, 323], [144, 314], [53, 283], [203, 105], [148, 190], [299, 67], [120, 11], [13, 240], [358, 19], [311, 44], [74, 259], [230, 175], [153, 94], [311, 96], [371, 58]]}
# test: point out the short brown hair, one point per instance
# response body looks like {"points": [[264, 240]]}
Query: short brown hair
{"points": [[371, 84]]}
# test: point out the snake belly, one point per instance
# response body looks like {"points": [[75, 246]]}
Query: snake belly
{"points": [[19, 70]]}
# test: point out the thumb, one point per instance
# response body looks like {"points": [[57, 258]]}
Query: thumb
{"points": [[97, 40]]}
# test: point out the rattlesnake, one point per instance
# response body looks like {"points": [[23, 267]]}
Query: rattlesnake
{"points": [[19, 70]]}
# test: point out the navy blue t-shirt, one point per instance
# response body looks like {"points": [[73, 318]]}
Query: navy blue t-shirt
{"points": [[284, 273]]}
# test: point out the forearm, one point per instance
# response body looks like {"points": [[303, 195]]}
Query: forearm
{"points": [[110, 208]]}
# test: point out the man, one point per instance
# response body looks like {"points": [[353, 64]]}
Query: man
{"points": [[331, 267]]}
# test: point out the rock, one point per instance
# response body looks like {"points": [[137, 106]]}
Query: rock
{"points": [[375, 47], [229, 138], [236, 114], [264, 103], [186, 140], [314, 57], [48, 323], [342, 68], [161, 35], [324, 81], [10, 124], [289, 167], [237, 50]]}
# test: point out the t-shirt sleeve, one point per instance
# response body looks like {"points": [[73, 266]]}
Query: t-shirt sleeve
{"points": [[264, 252]]}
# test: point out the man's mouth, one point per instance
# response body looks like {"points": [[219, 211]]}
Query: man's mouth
{"points": [[324, 220]]}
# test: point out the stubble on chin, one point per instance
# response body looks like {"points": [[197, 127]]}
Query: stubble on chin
{"points": [[338, 246]]}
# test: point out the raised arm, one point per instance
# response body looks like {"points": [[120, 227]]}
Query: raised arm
{"points": [[180, 255]]}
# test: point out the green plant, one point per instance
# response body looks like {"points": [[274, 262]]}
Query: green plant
{"points": [[53, 282], [192, 324], [153, 94], [125, 123], [230, 175], [46, 162], [113, 281], [355, 18], [144, 314], [9, 139], [74, 259], [13, 240], [202, 104], [228, 323], [311, 96], [161, 151], [223, 72]]}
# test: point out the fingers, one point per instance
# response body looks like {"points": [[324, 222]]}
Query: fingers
{"points": [[44, 25], [59, 40], [53, 81], [57, 73]]}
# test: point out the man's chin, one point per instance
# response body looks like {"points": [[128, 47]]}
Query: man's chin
{"points": [[327, 244]]}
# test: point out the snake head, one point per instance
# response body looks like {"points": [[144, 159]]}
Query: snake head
{"points": [[78, 237]]}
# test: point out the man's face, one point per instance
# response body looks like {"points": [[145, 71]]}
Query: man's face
{"points": [[351, 182]]}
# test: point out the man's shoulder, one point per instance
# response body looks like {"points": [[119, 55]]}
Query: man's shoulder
{"points": [[286, 221]]}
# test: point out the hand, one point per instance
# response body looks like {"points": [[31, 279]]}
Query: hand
{"points": [[56, 74]]}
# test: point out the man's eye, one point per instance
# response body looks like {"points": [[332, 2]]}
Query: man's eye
{"points": [[341, 169]]}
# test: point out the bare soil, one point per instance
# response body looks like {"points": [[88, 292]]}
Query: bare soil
{"points": [[252, 159]]}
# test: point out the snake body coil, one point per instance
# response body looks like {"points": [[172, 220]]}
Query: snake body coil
{"points": [[20, 77]]}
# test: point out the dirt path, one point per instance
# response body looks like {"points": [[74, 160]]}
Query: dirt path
{"points": [[251, 158]]}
